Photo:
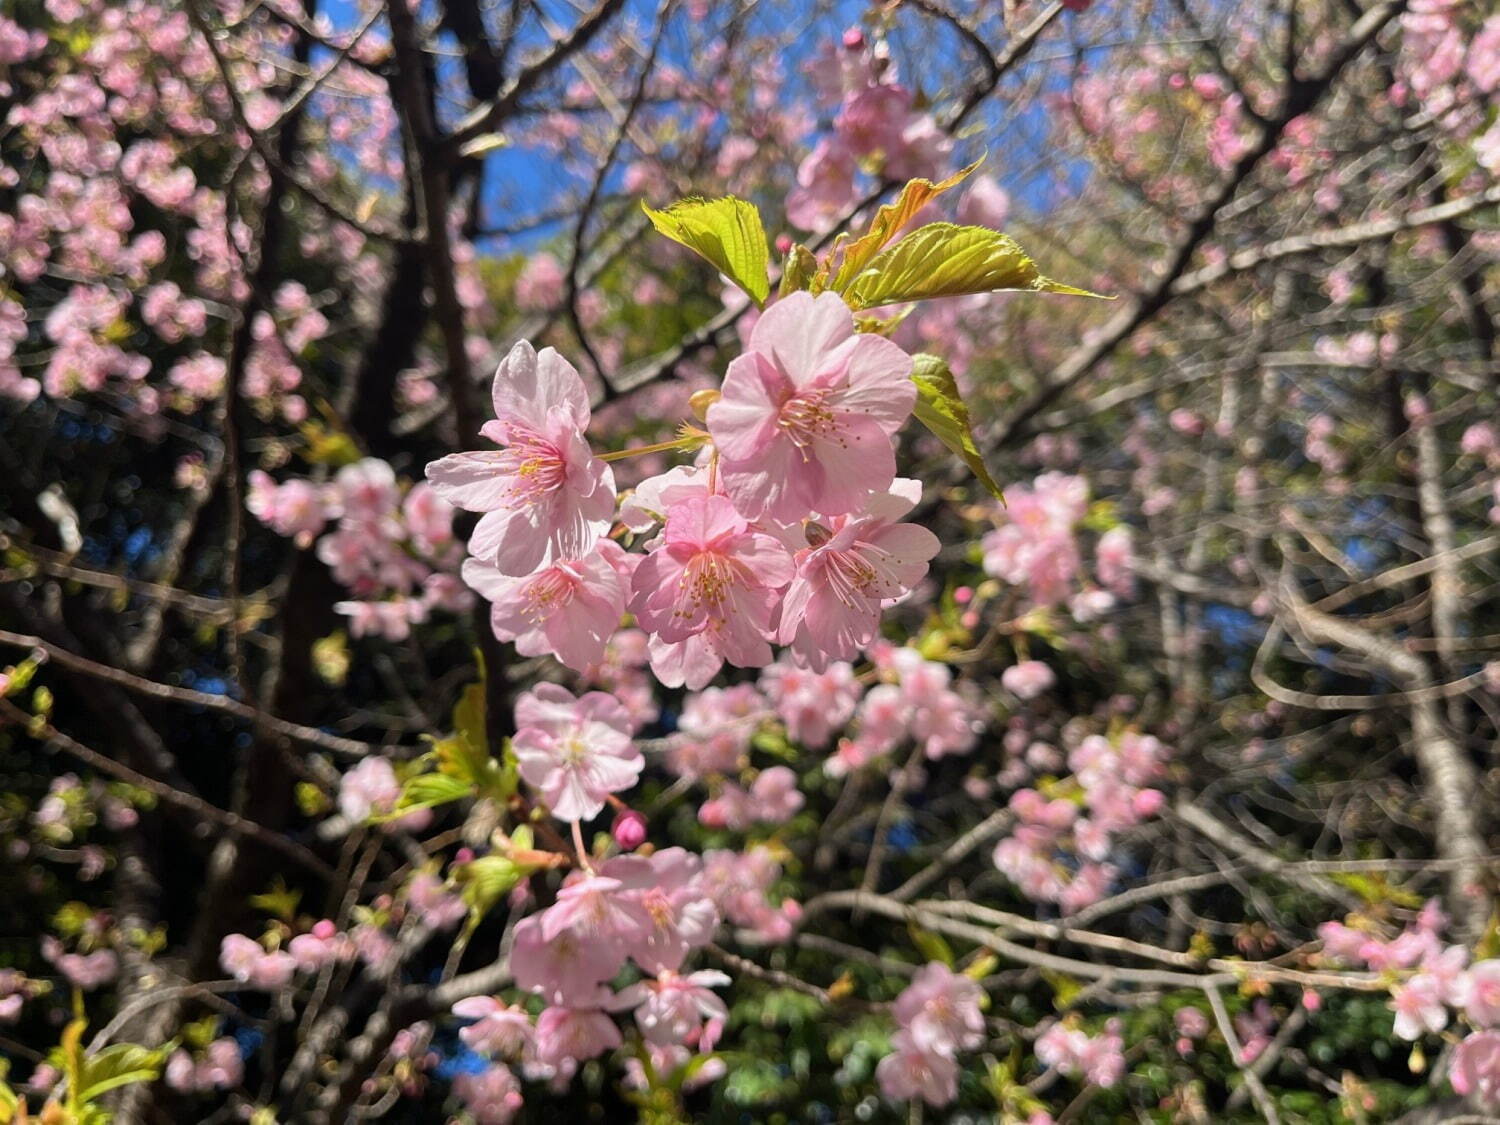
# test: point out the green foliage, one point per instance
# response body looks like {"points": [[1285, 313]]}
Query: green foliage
{"points": [[119, 1065], [486, 880], [888, 222], [942, 410], [727, 232], [464, 765], [949, 260]]}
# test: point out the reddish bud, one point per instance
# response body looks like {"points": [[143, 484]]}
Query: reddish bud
{"points": [[629, 830]]}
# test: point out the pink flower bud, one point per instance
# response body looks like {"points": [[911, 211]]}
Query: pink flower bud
{"points": [[324, 929], [1148, 802], [629, 830], [854, 39]]}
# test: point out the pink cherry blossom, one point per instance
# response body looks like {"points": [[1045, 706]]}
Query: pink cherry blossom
{"points": [[811, 704], [1475, 1069], [492, 1097], [854, 567], [499, 1028], [566, 969], [940, 1010], [713, 577], [672, 1007], [568, 609], [370, 788], [807, 414], [545, 496], [669, 892], [1479, 993], [909, 1072], [574, 751], [1419, 1007], [571, 1035], [1028, 679]]}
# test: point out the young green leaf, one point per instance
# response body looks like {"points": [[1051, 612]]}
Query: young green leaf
{"points": [[887, 224], [942, 410], [118, 1065], [948, 260], [426, 791], [727, 231]]}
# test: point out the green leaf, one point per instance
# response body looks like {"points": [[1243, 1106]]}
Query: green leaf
{"points": [[888, 222], [280, 901], [486, 879], [426, 791], [727, 231], [942, 410], [118, 1065], [797, 270], [948, 260], [466, 756], [931, 946]]}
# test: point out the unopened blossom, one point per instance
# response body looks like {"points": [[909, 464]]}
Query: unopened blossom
{"points": [[807, 414], [567, 609], [712, 577], [574, 751], [544, 495], [1028, 679], [909, 1072], [850, 570]]}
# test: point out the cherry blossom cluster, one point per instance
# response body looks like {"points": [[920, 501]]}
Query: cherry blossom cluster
{"points": [[1097, 1059], [907, 701], [877, 126], [218, 1067], [788, 531], [1064, 837], [392, 548], [108, 137], [1035, 548], [1435, 982], [939, 1014]]}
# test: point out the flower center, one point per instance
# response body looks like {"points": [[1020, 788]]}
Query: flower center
{"points": [[574, 749], [534, 465], [850, 577], [705, 585], [548, 592], [806, 418]]}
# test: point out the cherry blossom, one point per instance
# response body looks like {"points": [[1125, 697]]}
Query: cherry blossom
{"points": [[806, 417], [576, 751], [545, 496], [851, 569]]}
